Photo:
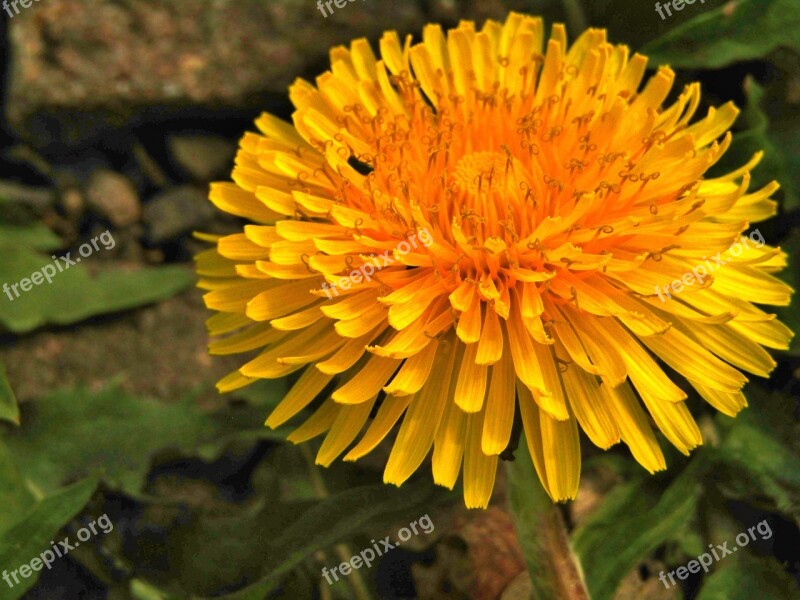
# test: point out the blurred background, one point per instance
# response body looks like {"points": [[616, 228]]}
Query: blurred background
{"points": [[116, 116]]}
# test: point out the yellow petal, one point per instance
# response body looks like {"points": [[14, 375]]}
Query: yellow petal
{"points": [[388, 414], [368, 381], [345, 428], [471, 385], [583, 391], [307, 387], [499, 408], [490, 346], [414, 372], [419, 426], [634, 428], [479, 469], [316, 424]]}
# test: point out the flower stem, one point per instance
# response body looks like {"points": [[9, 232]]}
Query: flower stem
{"points": [[343, 552], [554, 569]]}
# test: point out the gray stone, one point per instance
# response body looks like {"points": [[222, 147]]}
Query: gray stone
{"points": [[79, 65], [82, 65], [114, 197], [202, 157], [177, 212]]}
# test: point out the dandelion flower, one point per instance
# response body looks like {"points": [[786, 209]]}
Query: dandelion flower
{"points": [[556, 196]]}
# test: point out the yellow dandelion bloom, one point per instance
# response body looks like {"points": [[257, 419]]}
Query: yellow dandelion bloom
{"points": [[491, 224]]}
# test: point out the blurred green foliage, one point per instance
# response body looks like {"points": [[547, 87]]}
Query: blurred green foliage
{"points": [[263, 525], [73, 295], [756, 460], [9, 411], [732, 32], [28, 535]]}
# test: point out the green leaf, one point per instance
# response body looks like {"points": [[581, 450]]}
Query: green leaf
{"points": [[762, 451], [211, 552], [635, 23], [784, 134], [633, 520], [15, 498], [35, 236], [9, 411], [541, 531], [744, 577], [72, 294], [114, 434], [331, 521], [283, 475], [212, 450], [141, 590], [30, 537], [736, 31], [245, 424]]}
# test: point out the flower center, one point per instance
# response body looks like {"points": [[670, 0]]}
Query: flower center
{"points": [[482, 172]]}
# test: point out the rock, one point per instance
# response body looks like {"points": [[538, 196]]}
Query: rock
{"points": [[151, 336], [203, 157], [71, 64], [149, 167], [113, 196], [37, 198], [176, 212], [72, 202], [127, 245], [75, 70]]}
